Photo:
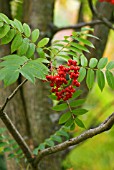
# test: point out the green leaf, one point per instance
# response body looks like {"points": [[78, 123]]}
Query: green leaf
{"points": [[74, 49], [93, 62], [77, 94], [17, 41], [4, 18], [69, 122], [43, 60], [56, 138], [4, 30], [27, 30], [31, 50], [2, 130], [90, 35], [24, 47], [2, 144], [40, 147], [86, 42], [110, 65], [9, 36], [80, 47], [90, 78], [60, 107], [40, 52], [27, 73], [84, 61], [49, 142], [62, 133], [102, 63], [110, 79], [79, 123], [78, 102], [18, 25], [72, 127], [11, 155], [1, 24], [35, 35], [11, 77], [82, 74], [43, 42], [79, 111], [64, 117], [100, 79]]}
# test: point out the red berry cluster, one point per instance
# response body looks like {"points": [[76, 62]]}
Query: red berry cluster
{"points": [[111, 1], [59, 83]]}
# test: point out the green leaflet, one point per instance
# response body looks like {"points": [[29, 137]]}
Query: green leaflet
{"points": [[8, 37], [110, 79], [40, 52], [60, 107], [56, 138], [64, 117], [4, 30], [43, 42], [18, 25], [100, 79], [79, 123], [24, 47], [1, 23], [79, 111], [80, 47], [35, 35], [86, 42], [11, 77], [102, 63], [4, 18], [31, 50], [17, 41], [110, 65], [27, 30], [76, 94], [82, 74], [93, 62], [84, 60], [76, 103], [49, 142], [90, 78]]}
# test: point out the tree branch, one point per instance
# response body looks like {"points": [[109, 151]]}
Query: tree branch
{"points": [[16, 135], [77, 26], [99, 16], [12, 94], [106, 125]]}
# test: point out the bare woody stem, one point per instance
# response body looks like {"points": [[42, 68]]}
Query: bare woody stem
{"points": [[13, 94], [16, 135], [99, 16], [106, 125]]}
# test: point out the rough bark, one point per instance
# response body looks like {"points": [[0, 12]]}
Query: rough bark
{"points": [[38, 14], [15, 108]]}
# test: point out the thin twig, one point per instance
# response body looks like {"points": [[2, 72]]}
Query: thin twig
{"points": [[99, 16], [106, 125], [12, 94], [16, 135], [77, 26]]}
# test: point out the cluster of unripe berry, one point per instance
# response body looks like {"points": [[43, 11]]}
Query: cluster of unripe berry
{"points": [[111, 1], [62, 88]]}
